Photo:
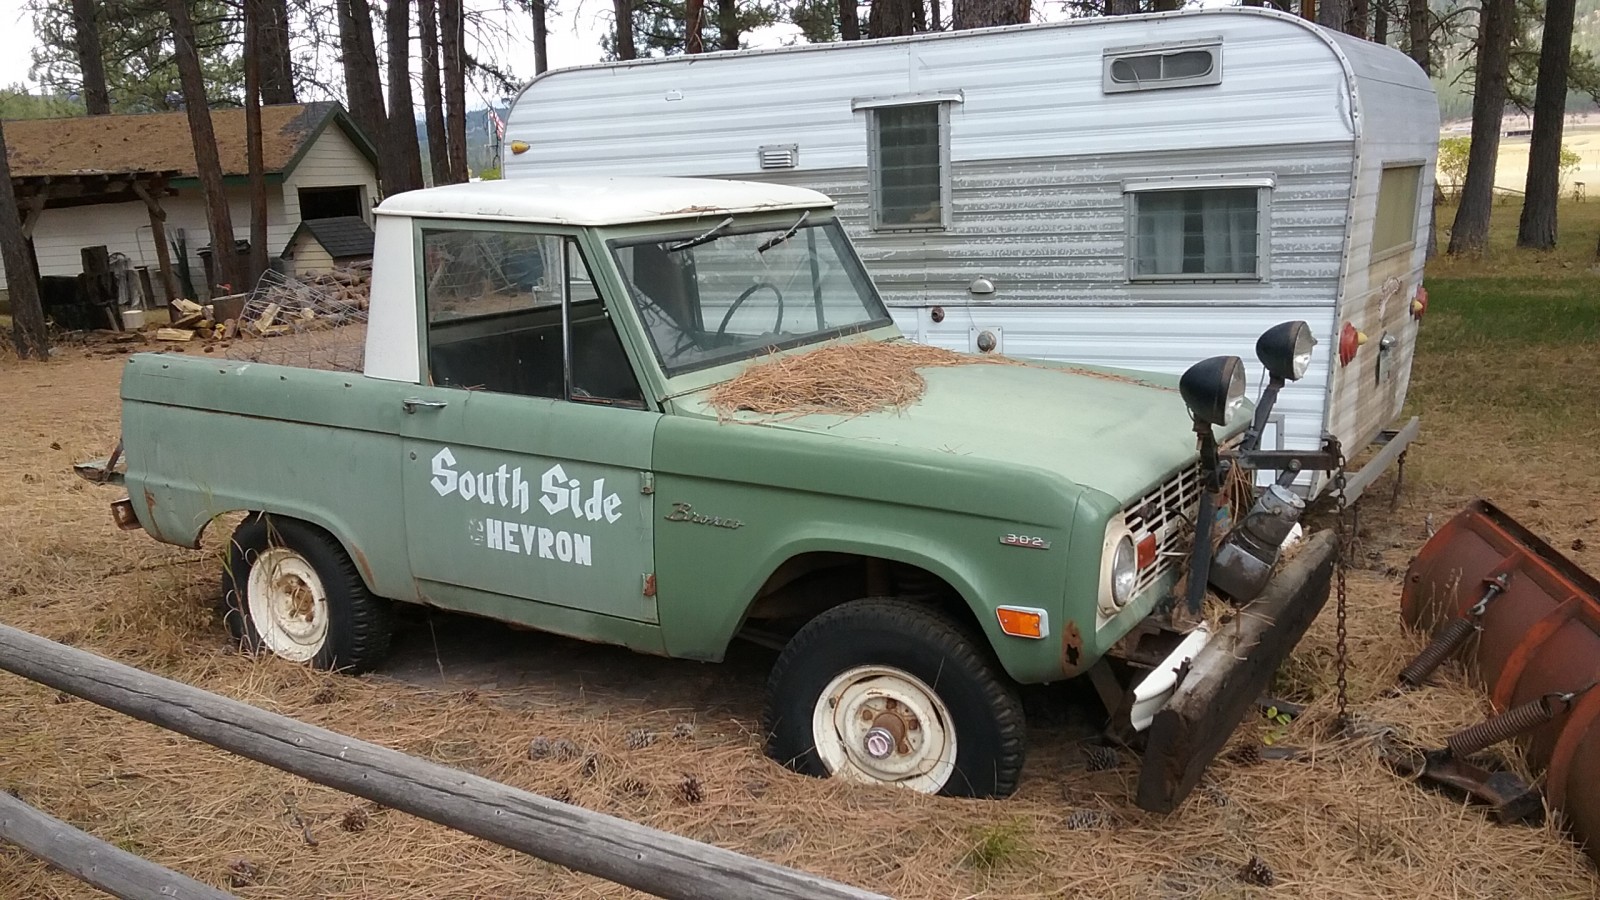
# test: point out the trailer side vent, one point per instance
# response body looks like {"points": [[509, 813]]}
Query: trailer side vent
{"points": [[779, 156], [1152, 67]]}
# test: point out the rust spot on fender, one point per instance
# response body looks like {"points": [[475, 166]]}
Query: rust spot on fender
{"points": [[150, 506], [1071, 649], [361, 563]]}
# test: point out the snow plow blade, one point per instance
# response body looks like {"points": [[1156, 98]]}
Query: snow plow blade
{"points": [[1224, 679], [1538, 629]]}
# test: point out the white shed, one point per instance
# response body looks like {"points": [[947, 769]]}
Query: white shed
{"points": [[318, 164], [1138, 191]]}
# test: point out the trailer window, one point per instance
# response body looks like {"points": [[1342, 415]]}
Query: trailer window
{"points": [[910, 166], [1152, 68], [1396, 225], [1202, 233]]}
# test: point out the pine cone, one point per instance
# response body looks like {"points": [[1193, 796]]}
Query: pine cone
{"points": [[354, 821], [689, 790], [1217, 796], [1099, 759], [1247, 755], [561, 795], [635, 787], [539, 748], [591, 766], [640, 739], [561, 748], [1085, 819], [683, 731], [1258, 873], [323, 696], [243, 873]]}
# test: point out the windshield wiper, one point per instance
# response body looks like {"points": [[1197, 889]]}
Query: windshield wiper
{"points": [[769, 243], [708, 237]]}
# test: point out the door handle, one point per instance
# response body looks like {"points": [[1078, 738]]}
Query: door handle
{"points": [[412, 404]]}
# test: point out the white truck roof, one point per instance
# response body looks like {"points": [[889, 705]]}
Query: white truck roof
{"points": [[599, 200]]}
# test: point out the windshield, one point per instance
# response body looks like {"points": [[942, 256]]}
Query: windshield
{"points": [[725, 292]]}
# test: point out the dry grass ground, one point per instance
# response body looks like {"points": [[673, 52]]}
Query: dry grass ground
{"points": [[1510, 419]]}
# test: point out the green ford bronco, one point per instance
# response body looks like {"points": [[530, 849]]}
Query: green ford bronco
{"points": [[537, 437]]}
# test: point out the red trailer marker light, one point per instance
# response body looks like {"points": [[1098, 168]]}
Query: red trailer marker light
{"points": [[1349, 340], [1419, 303]]}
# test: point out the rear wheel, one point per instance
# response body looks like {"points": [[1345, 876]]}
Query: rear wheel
{"points": [[291, 590], [887, 691]]}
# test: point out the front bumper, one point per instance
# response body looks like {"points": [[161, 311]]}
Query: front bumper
{"points": [[1220, 684]]}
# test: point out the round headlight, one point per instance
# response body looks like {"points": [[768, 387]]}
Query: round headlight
{"points": [[1286, 350], [1124, 571], [1213, 389]]}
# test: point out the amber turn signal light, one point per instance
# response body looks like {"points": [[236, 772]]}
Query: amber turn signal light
{"points": [[1023, 622]]}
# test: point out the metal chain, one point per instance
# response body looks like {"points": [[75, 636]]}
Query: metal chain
{"points": [[1341, 567]]}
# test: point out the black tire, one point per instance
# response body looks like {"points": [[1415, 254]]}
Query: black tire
{"points": [[358, 624], [984, 708]]}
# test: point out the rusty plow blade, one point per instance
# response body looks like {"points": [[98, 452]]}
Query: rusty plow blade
{"points": [[1224, 679], [1536, 616]]}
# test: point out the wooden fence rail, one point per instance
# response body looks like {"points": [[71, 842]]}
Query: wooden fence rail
{"points": [[643, 858], [91, 860]]}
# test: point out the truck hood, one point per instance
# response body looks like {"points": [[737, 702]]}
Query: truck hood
{"points": [[1116, 431]]}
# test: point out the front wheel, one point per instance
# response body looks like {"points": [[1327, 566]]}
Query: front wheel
{"points": [[290, 589], [887, 691]]}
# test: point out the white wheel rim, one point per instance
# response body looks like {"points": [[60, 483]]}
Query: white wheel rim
{"points": [[288, 604], [868, 710]]}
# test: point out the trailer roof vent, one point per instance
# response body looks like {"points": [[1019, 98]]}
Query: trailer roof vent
{"points": [[779, 156], [1155, 66]]}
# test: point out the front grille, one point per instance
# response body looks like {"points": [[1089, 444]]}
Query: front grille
{"points": [[1167, 512]]}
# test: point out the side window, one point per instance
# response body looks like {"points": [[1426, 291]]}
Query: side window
{"points": [[1150, 68], [910, 165], [1396, 226], [494, 315], [1195, 234]]}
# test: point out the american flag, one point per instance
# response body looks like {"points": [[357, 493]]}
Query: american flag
{"points": [[499, 126]]}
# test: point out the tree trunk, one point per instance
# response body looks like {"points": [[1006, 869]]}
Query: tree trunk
{"points": [[935, 16], [890, 18], [1537, 228], [622, 11], [728, 24], [452, 28], [1168, 5], [207, 165], [1470, 234], [91, 58], [432, 98], [28, 333], [402, 114], [849, 20], [1356, 22], [1419, 34], [1332, 14], [694, 14], [257, 24], [362, 87], [1122, 7], [1380, 22], [966, 14], [277, 67], [541, 37]]}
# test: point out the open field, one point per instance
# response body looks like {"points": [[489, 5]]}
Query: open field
{"points": [[1509, 354], [1511, 171]]}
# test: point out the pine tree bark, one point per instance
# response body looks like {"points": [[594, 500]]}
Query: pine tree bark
{"points": [[1380, 22], [694, 15], [849, 20], [728, 23], [541, 37], [28, 333], [452, 30], [1122, 7], [362, 87], [1358, 17], [207, 164], [402, 113], [1537, 228], [1470, 233], [256, 23], [1332, 14], [91, 58], [432, 95], [622, 10], [1420, 34], [890, 18], [277, 67], [966, 14]]}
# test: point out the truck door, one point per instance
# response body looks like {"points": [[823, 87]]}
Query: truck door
{"points": [[527, 456]]}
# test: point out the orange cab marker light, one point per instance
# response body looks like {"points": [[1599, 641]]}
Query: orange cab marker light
{"points": [[1024, 621], [1146, 551]]}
